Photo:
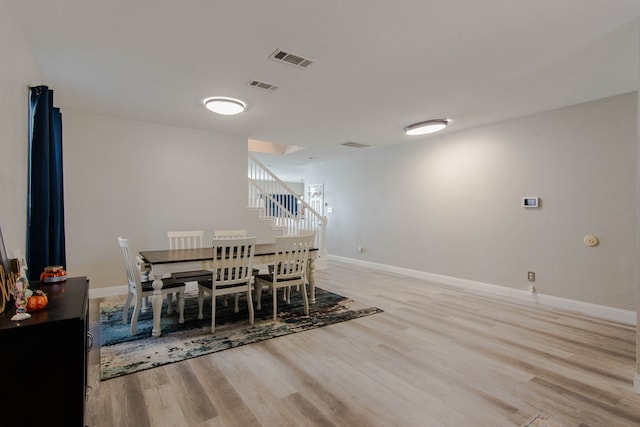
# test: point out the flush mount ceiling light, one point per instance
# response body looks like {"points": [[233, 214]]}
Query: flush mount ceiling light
{"points": [[424, 128], [223, 105]]}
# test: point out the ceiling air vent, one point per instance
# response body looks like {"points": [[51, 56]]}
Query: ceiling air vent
{"points": [[354, 145], [290, 58], [262, 85]]}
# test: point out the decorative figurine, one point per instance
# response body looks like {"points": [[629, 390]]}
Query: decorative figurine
{"points": [[20, 293]]}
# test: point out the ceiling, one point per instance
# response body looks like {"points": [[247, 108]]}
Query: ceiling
{"points": [[377, 65]]}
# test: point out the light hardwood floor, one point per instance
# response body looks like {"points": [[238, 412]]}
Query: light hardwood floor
{"points": [[437, 356]]}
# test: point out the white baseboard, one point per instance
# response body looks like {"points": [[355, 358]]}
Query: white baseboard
{"points": [[601, 311]]}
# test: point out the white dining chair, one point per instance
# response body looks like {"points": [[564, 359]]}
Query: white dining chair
{"points": [[230, 234], [138, 289], [189, 239], [290, 269], [233, 260], [185, 239]]}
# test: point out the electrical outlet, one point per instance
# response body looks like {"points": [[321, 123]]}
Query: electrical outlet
{"points": [[531, 276]]}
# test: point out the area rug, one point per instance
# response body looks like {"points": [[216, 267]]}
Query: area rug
{"points": [[122, 354], [541, 420]]}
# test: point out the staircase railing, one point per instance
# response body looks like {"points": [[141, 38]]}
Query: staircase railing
{"points": [[287, 210]]}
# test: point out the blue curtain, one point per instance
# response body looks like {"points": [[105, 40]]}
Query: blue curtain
{"points": [[45, 204]]}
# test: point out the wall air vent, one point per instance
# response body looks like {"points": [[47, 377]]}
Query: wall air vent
{"points": [[262, 85], [290, 58], [354, 145]]}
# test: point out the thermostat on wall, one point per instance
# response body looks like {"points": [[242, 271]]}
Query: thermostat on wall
{"points": [[530, 202]]}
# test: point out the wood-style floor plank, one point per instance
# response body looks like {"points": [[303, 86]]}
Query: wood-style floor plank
{"points": [[437, 356]]}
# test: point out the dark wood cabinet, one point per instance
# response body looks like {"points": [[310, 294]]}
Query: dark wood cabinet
{"points": [[44, 358]]}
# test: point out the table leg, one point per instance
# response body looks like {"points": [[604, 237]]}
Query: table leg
{"points": [[156, 303], [312, 279], [145, 304]]}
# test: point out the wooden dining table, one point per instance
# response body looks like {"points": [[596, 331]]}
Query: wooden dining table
{"points": [[164, 263]]}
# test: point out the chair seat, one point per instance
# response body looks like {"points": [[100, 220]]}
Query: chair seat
{"points": [[269, 278], [209, 284]]}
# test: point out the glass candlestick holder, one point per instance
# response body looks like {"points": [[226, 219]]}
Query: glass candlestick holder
{"points": [[20, 292]]}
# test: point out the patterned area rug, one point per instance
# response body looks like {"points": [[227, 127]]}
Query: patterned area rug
{"points": [[541, 421], [122, 354]]}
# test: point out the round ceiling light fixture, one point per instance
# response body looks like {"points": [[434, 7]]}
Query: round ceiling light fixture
{"points": [[224, 105], [423, 128]]}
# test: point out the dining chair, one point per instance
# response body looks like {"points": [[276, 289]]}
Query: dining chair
{"points": [[229, 234], [190, 239], [138, 289], [290, 269], [233, 262], [185, 239], [303, 232]]}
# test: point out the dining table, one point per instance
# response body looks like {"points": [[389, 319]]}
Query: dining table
{"points": [[167, 262]]}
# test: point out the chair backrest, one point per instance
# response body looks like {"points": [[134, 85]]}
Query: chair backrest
{"points": [[233, 259], [185, 239], [291, 256], [229, 234], [133, 273]]}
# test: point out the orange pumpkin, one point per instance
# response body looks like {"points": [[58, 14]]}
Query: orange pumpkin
{"points": [[37, 301]]}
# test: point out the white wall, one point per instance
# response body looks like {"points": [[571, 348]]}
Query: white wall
{"points": [[121, 177], [297, 187], [466, 186], [140, 180], [18, 71], [450, 204]]}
